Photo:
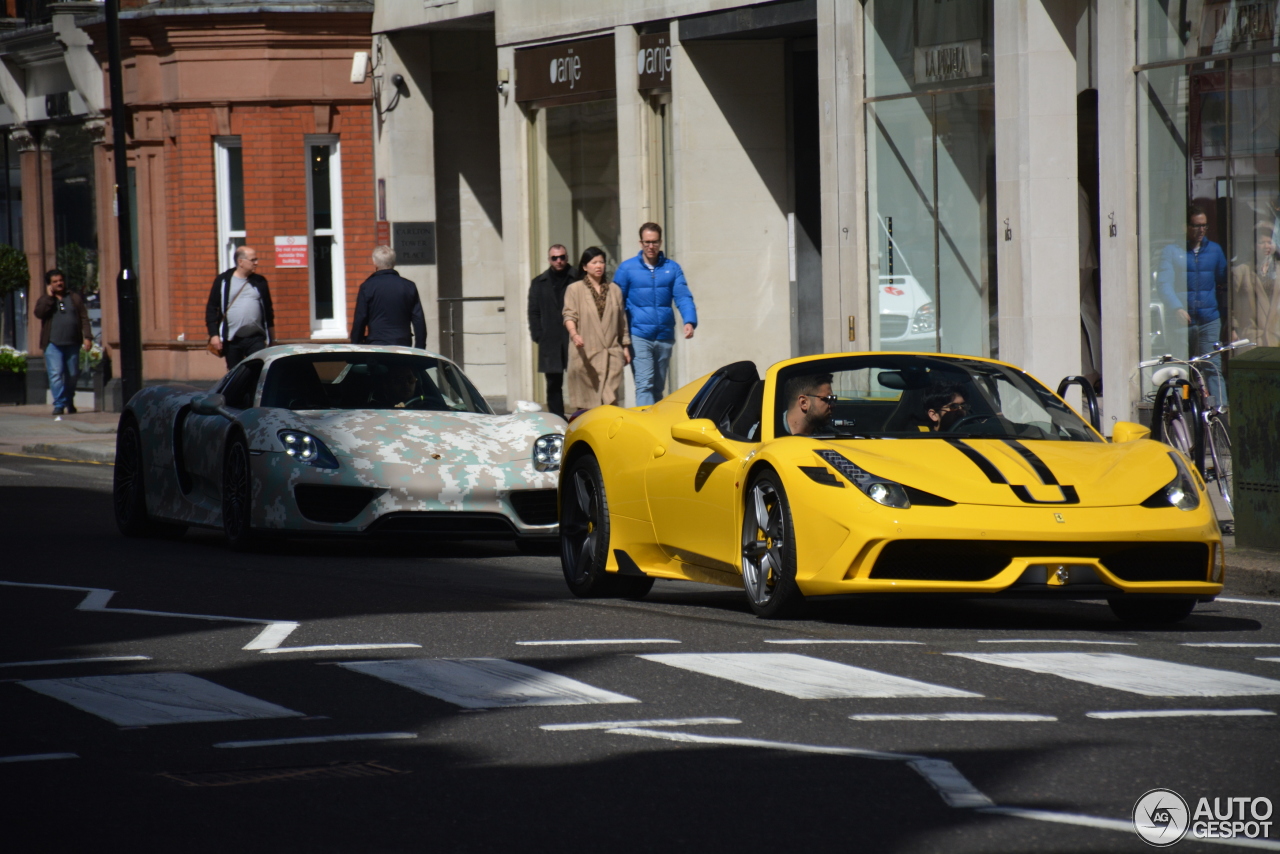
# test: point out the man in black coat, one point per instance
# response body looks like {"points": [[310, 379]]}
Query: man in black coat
{"points": [[238, 314], [388, 307], [546, 323]]}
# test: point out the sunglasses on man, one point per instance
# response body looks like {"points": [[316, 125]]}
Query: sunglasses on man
{"points": [[559, 257]]}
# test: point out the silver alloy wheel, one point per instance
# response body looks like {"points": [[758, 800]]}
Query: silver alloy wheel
{"points": [[763, 543]]}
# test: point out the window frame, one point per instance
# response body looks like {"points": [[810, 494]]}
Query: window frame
{"points": [[335, 327], [227, 235]]}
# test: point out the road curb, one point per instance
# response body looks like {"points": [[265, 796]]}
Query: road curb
{"points": [[91, 452], [1253, 572]]}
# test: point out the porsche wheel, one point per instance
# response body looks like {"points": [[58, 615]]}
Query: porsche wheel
{"points": [[237, 497], [768, 549], [584, 530], [1152, 610], [129, 492]]}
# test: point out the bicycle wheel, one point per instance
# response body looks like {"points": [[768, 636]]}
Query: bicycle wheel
{"points": [[1176, 422], [1218, 444]]}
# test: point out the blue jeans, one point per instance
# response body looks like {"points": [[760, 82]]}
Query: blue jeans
{"points": [[1201, 338], [62, 361], [649, 364]]}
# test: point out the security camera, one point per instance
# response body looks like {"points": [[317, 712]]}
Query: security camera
{"points": [[359, 66], [397, 80]]}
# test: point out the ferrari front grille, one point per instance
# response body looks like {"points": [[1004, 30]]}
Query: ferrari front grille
{"points": [[332, 504], [535, 506], [974, 560]]}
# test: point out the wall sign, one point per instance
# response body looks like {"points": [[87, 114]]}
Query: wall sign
{"points": [[414, 242], [955, 61], [579, 68], [653, 62], [291, 251]]}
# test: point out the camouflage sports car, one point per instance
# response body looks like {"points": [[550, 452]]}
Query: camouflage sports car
{"points": [[336, 439]]}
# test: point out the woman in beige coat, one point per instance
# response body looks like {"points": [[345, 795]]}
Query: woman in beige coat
{"points": [[597, 325]]}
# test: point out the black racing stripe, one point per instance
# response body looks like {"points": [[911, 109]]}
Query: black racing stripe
{"points": [[1069, 495], [1042, 471], [988, 468]]}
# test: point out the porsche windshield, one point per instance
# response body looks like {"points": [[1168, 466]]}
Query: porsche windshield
{"points": [[919, 397], [370, 381]]}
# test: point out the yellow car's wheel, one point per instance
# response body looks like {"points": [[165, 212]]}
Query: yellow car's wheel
{"points": [[769, 550], [584, 531]]}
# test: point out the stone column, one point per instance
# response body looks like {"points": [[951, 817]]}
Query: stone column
{"points": [[35, 163]]}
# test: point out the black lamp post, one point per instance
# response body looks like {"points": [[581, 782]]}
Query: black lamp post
{"points": [[127, 280]]}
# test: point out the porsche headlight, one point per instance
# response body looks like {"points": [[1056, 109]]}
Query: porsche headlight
{"points": [[307, 449], [546, 452], [879, 490], [1181, 492]]}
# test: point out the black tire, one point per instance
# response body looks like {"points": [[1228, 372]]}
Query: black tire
{"points": [[1176, 422], [1219, 446], [1155, 611], [632, 586], [237, 497], [769, 549], [129, 492], [584, 530]]}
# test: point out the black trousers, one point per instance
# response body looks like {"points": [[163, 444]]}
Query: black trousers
{"points": [[555, 393], [237, 349]]}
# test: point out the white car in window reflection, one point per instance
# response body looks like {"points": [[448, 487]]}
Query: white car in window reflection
{"points": [[907, 317]]}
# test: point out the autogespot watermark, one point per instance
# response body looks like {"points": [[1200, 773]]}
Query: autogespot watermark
{"points": [[1162, 818]]}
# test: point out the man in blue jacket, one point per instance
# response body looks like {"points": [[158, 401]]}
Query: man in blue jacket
{"points": [[1189, 281], [650, 282]]}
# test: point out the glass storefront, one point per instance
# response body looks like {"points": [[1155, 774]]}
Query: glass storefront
{"points": [[930, 116], [1208, 87], [579, 177]]}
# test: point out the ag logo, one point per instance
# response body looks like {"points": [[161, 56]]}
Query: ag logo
{"points": [[1160, 817]]}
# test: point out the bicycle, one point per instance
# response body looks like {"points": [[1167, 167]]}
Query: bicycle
{"points": [[1182, 418]]}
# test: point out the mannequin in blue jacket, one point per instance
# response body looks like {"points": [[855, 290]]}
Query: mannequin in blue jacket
{"points": [[1190, 280], [650, 282]]}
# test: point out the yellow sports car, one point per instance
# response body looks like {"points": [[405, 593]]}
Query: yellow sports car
{"points": [[883, 473]]}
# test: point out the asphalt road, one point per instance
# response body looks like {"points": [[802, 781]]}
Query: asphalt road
{"points": [[144, 719]]}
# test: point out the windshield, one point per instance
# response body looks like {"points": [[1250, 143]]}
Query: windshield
{"points": [[919, 397], [370, 381]]}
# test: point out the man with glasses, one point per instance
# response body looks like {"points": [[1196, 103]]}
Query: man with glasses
{"points": [[238, 314], [809, 400], [546, 323], [1190, 280], [64, 324], [650, 282], [945, 407]]}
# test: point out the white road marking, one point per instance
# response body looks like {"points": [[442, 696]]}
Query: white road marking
{"points": [[1177, 713], [953, 786], [39, 757], [596, 641], [1120, 825], [1235, 645], [14, 473], [89, 660], [1062, 640], [1268, 658], [341, 646], [485, 683], [955, 716], [1147, 676], [803, 677], [271, 637], [1246, 601], [839, 640], [632, 724], [690, 738], [317, 739], [157, 698]]}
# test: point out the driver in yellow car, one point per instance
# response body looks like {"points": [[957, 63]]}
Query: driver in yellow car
{"points": [[809, 404], [944, 405]]}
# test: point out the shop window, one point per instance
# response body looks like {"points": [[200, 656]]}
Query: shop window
{"points": [[324, 222], [930, 119], [229, 171], [579, 176]]}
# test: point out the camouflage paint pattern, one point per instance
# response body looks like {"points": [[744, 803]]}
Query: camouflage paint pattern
{"points": [[425, 462]]}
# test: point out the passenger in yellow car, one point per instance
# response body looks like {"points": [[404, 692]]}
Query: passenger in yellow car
{"points": [[809, 401], [944, 404]]}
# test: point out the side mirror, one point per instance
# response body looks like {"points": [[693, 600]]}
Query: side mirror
{"points": [[211, 404], [703, 433], [1127, 431]]}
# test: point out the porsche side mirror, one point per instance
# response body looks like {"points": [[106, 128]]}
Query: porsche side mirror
{"points": [[703, 433], [1127, 431], [211, 404]]}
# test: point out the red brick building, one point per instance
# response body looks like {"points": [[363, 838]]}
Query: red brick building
{"points": [[245, 130]]}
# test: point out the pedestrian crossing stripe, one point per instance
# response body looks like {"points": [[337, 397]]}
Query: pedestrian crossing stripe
{"points": [[1146, 676], [485, 683], [803, 676], [146, 699]]}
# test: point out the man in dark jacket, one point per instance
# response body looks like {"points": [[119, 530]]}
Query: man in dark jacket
{"points": [[64, 324], [238, 314], [546, 323], [1190, 280], [387, 306]]}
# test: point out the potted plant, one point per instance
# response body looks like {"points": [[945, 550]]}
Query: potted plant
{"points": [[13, 375]]}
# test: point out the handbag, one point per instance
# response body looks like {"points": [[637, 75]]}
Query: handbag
{"points": [[217, 351]]}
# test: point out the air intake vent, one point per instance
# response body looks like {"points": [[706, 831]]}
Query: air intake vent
{"points": [[535, 506], [332, 504]]}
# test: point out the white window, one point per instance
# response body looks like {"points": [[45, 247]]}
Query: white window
{"points": [[229, 172], [324, 235]]}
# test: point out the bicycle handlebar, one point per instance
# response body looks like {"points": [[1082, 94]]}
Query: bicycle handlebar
{"points": [[1169, 357]]}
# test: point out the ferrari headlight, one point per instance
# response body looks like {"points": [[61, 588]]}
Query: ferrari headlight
{"points": [[1181, 492], [546, 452], [307, 449], [879, 490]]}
